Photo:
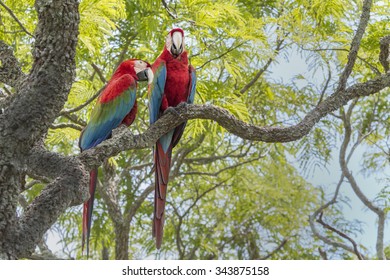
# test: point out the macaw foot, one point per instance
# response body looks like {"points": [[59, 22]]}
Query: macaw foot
{"points": [[182, 105], [172, 110]]}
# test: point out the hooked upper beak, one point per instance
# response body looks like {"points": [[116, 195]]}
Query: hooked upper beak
{"points": [[175, 51], [146, 75], [177, 44], [143, 75]]}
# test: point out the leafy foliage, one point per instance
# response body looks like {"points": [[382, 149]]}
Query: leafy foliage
{"points": [[228, 198]]}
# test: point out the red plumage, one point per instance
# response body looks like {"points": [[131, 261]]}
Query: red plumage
{"points": [[176, 90], [116, 105]]}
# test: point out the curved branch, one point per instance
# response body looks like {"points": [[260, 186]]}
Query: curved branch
{"points": [[124, 140], [81, 106], [15, 18], [66, 125], [355, 45]]}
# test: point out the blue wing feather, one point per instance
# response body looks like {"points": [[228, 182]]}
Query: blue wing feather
{"points": [[192, 89], [107, 116], [156, 92]]}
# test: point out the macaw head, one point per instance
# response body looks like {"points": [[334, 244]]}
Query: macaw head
{"points": [[138, 69], [175, 42]]}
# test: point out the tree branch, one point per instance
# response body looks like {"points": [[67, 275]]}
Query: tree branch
{"points": [[15, 18], [67, 189], [384, 52], [81, 106], [124, 140], [278, 248], [168, 10], [264, 68], [342, 234], [221, 55], [10, 71], [345, 170], [355, 45], [66, 125]]}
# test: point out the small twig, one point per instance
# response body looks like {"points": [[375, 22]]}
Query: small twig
{"points": [[264, 68], [215, 174], [221, 55], [168, 10], [326, 84], [125, 49], [372, 67], [15, 18], [66, 125], [74, 118], [325, 225], [65, 112], [99, 72], [278, 248]]}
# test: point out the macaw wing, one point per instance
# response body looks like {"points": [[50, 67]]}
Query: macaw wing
{"points": [[192, 87], [112, 106], [156, 90], [190, 100]]}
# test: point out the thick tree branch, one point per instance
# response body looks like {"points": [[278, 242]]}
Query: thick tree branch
{"points": [[384, 52], [45, 90], [10, 71], [355, 45], [124, 140], [66, 189]]}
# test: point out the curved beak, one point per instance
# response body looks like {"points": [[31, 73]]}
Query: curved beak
{"points": [[143, 75], [146, 75], [177, 44]]}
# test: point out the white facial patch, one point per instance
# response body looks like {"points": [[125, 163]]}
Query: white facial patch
{"points": [[168, 42], [177, 39], [150, 76], [139, 66]]}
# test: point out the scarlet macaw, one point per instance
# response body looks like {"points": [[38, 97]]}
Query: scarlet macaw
{"points": [[115, 105], [174, 82]]}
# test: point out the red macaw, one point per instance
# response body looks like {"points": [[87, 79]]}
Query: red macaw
{"points": [[115, 105], [174, 82]]}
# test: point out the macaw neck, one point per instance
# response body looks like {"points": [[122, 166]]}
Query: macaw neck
{"points": [[167, 56], [120, 72]]}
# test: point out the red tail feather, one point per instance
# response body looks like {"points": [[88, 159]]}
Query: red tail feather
{"points": [[162, 163], [88, 208]]}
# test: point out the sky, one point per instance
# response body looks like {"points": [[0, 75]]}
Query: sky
{"points": [[328, 177]]}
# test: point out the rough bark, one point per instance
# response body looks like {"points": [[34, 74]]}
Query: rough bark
{"points": [[24, 121]]}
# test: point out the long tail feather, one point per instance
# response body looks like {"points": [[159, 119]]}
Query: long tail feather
{"points": [[87, 210], [162, 163]]}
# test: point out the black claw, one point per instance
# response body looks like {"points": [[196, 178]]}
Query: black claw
{"points": [[171, 110], [182, 105]]}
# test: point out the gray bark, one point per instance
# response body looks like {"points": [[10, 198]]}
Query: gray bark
{"points": [[39, 97]]}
